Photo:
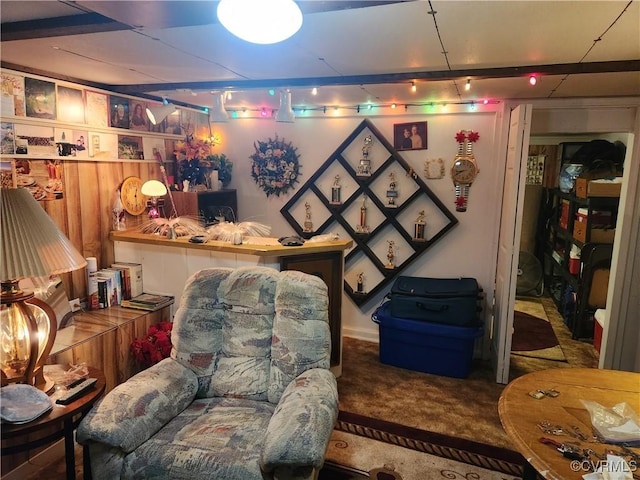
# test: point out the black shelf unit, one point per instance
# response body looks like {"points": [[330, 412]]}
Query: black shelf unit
{"points": [[393, 222], [555, 239]]}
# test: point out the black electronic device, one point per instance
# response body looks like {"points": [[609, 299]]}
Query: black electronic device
{"points": [[198, 239], [292, 241], [77, 391]]}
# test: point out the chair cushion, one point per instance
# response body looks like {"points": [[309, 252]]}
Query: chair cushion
{"points": [[212, 438], [248, 295]]}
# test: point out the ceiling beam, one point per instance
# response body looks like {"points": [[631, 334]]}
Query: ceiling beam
{"points": [[386, 78], [59, 26]]}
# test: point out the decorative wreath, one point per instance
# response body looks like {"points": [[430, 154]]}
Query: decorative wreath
{"points": [[275, 165]]}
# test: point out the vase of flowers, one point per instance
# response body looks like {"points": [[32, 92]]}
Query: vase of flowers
{"points": [[154, 347], [196, 161]]}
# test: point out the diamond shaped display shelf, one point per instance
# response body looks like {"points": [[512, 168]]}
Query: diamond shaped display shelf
{"points": [[377, 208]]}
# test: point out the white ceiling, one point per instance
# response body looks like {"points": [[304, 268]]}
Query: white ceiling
{"points": [[356, 53]]}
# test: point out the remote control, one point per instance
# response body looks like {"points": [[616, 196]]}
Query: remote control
{"points": [[76, 391]]}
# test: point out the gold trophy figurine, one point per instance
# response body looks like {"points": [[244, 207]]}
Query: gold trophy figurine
{"points": [[308, 225], [419, 228], [335, 191], [390, 255], [360, 285], [364, 167]]}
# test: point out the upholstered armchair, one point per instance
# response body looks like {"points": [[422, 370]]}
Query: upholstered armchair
{"points": [[246, 394]]}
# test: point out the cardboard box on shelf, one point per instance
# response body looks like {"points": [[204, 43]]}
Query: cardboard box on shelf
{"points": [[597, 188], [598, 235]]}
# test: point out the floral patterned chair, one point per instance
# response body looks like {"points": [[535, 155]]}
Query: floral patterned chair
{"points": [[246, 394]]}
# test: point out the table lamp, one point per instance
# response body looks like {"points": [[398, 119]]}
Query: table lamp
{"points": [[155, 190], [32, 246]]}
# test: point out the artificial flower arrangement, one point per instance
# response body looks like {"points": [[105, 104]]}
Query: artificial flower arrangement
{"points": [[196, 160], [155, 346], [275, 165]]}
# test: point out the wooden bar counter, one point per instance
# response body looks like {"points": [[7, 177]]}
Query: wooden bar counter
{"points": [[168, 263]]}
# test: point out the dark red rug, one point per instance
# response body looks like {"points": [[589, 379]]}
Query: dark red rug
{"points": [[531, 333]]}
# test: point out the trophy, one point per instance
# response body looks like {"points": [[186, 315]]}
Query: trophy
{"points": [[390, 255], [360, 284], [392, 193], [419, 228], [363, 227], [308, 225], [335, 191], [364, 167]]}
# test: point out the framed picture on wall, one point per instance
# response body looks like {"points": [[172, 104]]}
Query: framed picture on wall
{"points": [[410, 136]]}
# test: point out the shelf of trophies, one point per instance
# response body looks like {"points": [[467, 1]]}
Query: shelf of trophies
{"points": [[367, 192]]}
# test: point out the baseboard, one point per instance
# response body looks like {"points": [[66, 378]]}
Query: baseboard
{"points": [[362, 334], [46, 457]]}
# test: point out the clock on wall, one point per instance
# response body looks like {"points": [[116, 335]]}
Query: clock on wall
{"points": [[133, 200]]}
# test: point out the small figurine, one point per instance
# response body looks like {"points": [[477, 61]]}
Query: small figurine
{"points": [[419, 228], [308, 225], [360, 285], [390, 255], [335, 191], [392, 193]]}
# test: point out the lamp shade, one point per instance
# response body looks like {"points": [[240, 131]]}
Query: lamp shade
{"points": [[153, 188], [158, 114], [32, 244], [260, 21], [218, 114], [285, 112]]}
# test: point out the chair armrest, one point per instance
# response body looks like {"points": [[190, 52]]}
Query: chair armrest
{"points": [[136, 409], [299, 430]]}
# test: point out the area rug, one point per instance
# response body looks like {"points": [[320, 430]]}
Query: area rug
{"points": [[387, 450], [533, 334]]}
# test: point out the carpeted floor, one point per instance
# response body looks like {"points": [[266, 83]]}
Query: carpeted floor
{"points": [[462, 408]]}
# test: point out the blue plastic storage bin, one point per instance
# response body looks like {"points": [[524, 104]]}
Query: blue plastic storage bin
{"points": [[445, 350]]}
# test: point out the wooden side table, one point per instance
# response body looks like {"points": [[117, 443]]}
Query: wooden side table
{"points": [[60, 422], [521, 414]]}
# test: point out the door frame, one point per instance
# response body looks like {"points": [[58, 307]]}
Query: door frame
{"points": [[621, 342]]}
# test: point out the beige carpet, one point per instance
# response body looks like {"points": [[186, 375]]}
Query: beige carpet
{"points": [[535, 308]]}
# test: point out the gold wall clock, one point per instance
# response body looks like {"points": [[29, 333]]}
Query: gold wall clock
{"points": [[133, 200]]}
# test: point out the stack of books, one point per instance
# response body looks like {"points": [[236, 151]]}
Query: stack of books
{"points": [[119, 283], [148, 301]]}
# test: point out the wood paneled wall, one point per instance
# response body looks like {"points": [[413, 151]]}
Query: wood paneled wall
{"points": [[84, 213]]}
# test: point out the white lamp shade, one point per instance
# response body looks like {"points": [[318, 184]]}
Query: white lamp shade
{"points": [[32, 244], [260, 21], [218, 114], [153, 188], [285, 112], [158, 114]]}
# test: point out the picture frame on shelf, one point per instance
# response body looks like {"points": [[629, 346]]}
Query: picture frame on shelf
{"points": [[410, 136]]}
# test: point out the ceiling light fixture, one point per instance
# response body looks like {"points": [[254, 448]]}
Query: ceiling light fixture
{"points": [[413, 87], [314, 91], [260, 21], [285, 112], [467, 86], [158, 114], [533, 80]]}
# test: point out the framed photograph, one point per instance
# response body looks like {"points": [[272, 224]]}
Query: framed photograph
{"points": [[40, 98], [119, 111], [70, 104], [139, 120], [410, 136]]}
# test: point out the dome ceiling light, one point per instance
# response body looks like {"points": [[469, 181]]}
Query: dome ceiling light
{"points": [[260, 21]]}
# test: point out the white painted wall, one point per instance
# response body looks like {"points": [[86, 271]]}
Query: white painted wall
{"points": [[468, 250]]}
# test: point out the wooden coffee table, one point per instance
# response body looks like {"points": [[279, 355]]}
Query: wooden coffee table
{"points": [[521, 414], [60, 422]]}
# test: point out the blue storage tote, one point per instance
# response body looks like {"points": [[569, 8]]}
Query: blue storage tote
{"points": [[445, 350]]}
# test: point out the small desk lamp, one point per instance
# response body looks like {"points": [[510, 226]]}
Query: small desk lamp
{"points": [[154, 189], [32, 246]]}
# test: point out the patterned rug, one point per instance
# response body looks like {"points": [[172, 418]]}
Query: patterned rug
{"points": [[533, 334], [384, 450]]}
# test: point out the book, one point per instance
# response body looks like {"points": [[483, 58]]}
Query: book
{"points": [[135, 275], [115, 291], [125, 279], [148, 301]]}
